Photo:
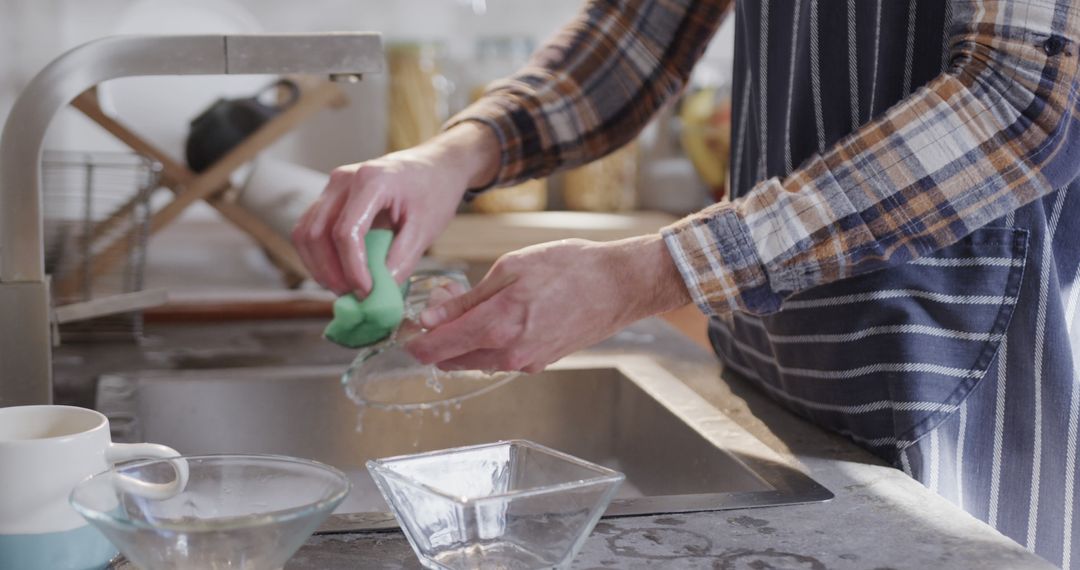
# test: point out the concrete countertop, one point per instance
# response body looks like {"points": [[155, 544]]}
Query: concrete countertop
{"points": [[879, 519]]}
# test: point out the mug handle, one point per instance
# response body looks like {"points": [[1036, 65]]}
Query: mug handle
{"points": [[119, 452]]}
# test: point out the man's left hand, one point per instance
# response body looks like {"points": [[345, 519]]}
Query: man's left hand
{"points": [[543, 302]]}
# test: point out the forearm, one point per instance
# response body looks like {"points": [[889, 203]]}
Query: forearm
{"points": [[995, 132], [644, 273], [596, 85], [469, 149]]}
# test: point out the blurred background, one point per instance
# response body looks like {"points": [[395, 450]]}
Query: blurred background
{"points": [[440, 55]]}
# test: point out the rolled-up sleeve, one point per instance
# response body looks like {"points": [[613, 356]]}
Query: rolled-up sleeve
{"points": [[996, 131], [595, 85]]}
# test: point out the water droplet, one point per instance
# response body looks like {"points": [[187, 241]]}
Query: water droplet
{"points": [[360, 420], [432, 380]]}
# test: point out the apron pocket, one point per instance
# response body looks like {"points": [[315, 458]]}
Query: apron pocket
{"points": [[886, 356]]}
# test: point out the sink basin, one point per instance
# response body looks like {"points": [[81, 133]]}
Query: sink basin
{"points": [[679, 453]]}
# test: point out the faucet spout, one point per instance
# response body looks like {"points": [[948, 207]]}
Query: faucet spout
{"points": [[25, 338]]}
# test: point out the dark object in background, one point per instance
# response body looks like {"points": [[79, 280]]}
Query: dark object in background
{"points": [[227, 122]]}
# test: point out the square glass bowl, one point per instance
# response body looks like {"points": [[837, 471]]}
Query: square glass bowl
{"points": [[511, 504]]}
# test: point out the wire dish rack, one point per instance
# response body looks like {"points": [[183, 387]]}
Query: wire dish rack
{"points": [[81, 191]]}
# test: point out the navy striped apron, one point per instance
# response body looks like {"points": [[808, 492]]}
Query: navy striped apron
{"points": [[957, 368]]}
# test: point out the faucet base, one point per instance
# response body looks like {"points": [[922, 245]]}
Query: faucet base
{"points": [[25, 344]]}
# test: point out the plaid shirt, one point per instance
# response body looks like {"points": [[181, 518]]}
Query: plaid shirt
{"points": [[994, 132]]}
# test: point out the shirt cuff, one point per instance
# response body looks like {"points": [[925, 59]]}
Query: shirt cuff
{"points": [[719, 263], [502, 118]]}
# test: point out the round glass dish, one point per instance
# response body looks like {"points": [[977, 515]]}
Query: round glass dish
{"points": [[385, 376], [235, 511]]}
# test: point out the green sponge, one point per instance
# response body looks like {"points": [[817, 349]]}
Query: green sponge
{"points": [[360, 323]]}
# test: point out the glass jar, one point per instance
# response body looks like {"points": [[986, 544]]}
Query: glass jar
{"points": [[705, 117], [386, 376], [529, 196], [418, 98], [605, 185]]}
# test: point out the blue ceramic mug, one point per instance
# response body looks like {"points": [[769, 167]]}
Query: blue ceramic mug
{"points": [[44, 452]]}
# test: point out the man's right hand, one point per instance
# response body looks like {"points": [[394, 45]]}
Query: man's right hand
{"points": [[415, 192]]}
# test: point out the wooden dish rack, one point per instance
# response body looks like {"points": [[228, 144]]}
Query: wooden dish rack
{"points": [[211, 186]]}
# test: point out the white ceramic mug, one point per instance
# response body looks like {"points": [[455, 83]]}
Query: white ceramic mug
{"points": [[44, 452]]}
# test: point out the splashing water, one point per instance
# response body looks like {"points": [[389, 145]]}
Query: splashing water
{"points": [[360, 419], [412, 392], [433, 380], [385, 376], [388, 378]]}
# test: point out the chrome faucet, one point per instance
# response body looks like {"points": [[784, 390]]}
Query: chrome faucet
{"points": [[25, 312]]}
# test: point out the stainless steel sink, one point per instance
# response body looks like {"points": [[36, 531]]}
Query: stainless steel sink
{"points": [[679, 452]]}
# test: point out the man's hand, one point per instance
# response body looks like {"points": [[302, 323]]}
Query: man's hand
{"points": [[543, 302], [415, 192]]}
